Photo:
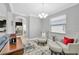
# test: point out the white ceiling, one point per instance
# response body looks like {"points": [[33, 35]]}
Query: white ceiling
{"points": [[36, 8]]}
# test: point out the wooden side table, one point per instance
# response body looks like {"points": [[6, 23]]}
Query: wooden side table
{"points": [[19, 50]]}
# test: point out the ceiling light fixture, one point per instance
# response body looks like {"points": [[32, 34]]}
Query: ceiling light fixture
{"points": [[43, 14]]}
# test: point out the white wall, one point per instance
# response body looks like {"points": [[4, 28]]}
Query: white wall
{"points": [[3, 10], [10, 23], [34, 27], [3, 13], [33, 24], [72, 26]]}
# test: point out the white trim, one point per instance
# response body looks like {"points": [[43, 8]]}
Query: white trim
{"points": [[20, 17], [11, 7], [59, 32]]}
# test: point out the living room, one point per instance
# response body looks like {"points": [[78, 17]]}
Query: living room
{"points": [[45, 29]]}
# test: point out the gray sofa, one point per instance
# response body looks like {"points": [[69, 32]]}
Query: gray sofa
{"points": [[71, 48], [3, 41], [60, 47]]}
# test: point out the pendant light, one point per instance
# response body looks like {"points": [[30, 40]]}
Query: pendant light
{"points": [[43, 14]]}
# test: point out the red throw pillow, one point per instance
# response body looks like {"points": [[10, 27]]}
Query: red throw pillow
{"points": [[71, 40], [65, 40], [68, 40]]}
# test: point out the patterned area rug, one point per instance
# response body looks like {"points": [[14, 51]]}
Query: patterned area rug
{"points": [[31, 48]]}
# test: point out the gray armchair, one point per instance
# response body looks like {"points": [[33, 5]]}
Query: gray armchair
{"points": [[54, 47]]}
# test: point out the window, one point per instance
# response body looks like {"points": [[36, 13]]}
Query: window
{"points": [[57, 24]]}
